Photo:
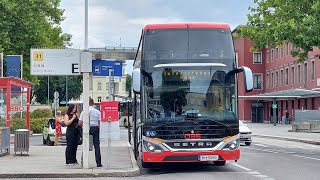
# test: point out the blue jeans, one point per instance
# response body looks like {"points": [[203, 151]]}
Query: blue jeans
{"points": [[287, 120]]}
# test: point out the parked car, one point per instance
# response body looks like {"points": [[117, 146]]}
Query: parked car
{"points": [[245, 134], [49, 132]]}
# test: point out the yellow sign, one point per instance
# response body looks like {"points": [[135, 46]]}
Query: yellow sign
{"points": [[38, 56]]}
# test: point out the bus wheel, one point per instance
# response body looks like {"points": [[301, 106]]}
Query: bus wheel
{"points": [[219, 163]]}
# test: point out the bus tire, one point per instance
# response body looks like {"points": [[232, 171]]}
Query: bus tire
{"points": [[219, 163]]}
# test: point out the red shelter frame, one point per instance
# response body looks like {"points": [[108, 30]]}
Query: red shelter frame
{"points": [[12, 82]]}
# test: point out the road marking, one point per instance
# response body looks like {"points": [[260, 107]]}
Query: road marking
{"points": [[242, 167], [265, 150], [261, 176], [306, 157], [260, 145]]}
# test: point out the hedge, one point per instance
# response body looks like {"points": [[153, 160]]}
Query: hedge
{"points": [[36, 125], [41, 113]]}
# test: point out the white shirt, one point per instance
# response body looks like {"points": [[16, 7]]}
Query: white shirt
{"points": [[94, 116]]}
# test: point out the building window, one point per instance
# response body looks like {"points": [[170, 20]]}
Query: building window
{"points": [[257, 81], [277, 78], [299, 73], [305, 72], [272, 80], [299, 103], [99, 99], [287, 74], [268, 56], [272, 55], [257, 58], [267, 83], [292, 75], [281, 77], [277, 53], [281, 52], [287, 49], [313, 70], [99, 86]]}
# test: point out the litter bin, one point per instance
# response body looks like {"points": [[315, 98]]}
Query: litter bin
{"points": [[21, 142], [4, 141]]}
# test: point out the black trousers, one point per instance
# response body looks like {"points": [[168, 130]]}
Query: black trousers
{"points": [[94, 131], [72, 145]]}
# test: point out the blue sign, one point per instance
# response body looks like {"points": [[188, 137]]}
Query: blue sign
{"points": [[101, 67], [14, 68]]}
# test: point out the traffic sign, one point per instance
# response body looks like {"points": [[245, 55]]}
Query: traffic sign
{"points": [[56, 94], [274, 106]]}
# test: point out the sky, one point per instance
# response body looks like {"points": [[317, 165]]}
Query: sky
{"points": [[119, 22]]}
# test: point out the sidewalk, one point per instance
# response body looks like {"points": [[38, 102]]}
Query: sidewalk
{"points": [[49, 162], [281, 131]]}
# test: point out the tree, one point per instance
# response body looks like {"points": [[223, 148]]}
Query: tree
{"points": [[27, 24], [275, 21], [129, 84], [58, 83]]}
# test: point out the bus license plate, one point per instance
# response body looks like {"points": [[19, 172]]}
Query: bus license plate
{"points": [[208, 157]]}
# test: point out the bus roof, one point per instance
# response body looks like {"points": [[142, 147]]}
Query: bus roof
{"points": [[186, 25]]}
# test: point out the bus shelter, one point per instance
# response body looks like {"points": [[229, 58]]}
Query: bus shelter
{"points": [[15, 98]]}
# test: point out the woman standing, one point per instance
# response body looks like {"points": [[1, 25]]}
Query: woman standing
{"points": [[58, 120], [71, 120]]}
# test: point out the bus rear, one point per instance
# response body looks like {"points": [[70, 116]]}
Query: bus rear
{"points": [[185, 94]]}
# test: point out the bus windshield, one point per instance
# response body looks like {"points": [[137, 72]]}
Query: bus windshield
{"points": [[188, 44], [189, 93]]}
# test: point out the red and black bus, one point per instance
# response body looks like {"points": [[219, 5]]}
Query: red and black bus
{"points": [[185, 102]]}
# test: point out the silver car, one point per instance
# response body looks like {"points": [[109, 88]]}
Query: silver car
{"points": [[49, 132]]}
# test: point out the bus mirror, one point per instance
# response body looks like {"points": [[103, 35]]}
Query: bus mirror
{"points": [[136, 75], [248, 78]]}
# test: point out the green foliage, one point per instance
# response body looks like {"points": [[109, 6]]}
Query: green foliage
{"points": [[129, 84], [36, 125], [27, 24], [276, 21], [58, 83], [41, 113], [18, 115]]}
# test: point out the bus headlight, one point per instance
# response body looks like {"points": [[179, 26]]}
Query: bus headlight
{"points": [[231, 146], [152, 147]]}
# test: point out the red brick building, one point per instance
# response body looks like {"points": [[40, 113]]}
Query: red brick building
{"points": [[277, 78]]}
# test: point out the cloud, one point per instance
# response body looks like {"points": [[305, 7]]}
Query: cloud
{"points": [[111, 20]]}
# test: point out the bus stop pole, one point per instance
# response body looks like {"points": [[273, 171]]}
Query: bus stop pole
{"points": [[86, 84]]}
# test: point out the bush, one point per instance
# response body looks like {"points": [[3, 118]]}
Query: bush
{"points": [[41, 113], [36, 125], [17, 115]]}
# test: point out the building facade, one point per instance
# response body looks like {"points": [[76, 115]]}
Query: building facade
{"points": [[277, 78]]}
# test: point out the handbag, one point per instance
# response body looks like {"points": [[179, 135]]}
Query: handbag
{"points": [[80, 135]]}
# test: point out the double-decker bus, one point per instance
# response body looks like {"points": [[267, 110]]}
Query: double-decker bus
{"points": [[185, 102]]}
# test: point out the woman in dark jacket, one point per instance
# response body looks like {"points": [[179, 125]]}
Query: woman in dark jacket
{"points": [[71, 120]]}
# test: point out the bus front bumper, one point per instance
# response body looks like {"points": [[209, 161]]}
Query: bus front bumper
{"points": [[205, 156]]}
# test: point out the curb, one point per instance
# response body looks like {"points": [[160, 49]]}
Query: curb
{"points": [[288, 139], [80, 173]]}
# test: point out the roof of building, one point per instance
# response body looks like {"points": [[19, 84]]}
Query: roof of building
{"points": [[285, 94]]}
